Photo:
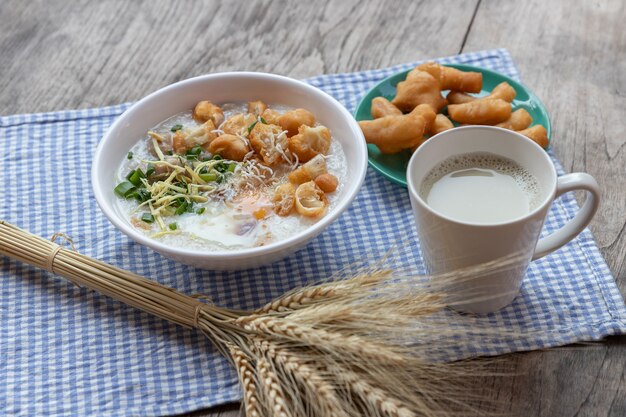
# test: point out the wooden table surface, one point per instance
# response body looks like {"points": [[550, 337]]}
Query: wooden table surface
{"points": [[57, 54]]}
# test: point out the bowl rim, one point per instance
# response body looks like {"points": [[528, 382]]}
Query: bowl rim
{"points": [[308, 233]]}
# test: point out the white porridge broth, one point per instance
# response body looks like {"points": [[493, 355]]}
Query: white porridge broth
{"points": [[231, 176]]}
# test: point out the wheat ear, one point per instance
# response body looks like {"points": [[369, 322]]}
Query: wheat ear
{"points": [[304, 297], [363, 346], [246, 373], [379, 400], [322, 339], [318, 392], [272, 390]]}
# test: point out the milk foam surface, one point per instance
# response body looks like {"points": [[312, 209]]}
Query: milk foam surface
{"points": [[481, 188]]}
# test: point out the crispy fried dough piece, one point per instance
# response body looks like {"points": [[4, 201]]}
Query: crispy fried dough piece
{"points": [[538, 134], [453, 79], [382, 107], [520, 119], [309, 171], [310, 200], [502, 91], [392, 134], [187, 138], [418, 88], [309, 142], [480, 112], [269, 142], [205, 110], [293, 119], [238, 124], [456, 97], [284, 199], [201, 135], [178, 143], [256, 107], [229, 147], [441, 123], [271, 116]]}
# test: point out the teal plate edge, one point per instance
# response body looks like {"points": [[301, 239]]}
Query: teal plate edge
{"points": [[393, 167]]}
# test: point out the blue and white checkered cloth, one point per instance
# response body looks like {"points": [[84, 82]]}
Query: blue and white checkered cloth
{"points": [[69, 351]]}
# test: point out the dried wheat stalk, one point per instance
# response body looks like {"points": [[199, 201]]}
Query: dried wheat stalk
{"points": [[339, 348]]}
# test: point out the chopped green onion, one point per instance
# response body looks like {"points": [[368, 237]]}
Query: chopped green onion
{"points": [[216, 157], [183, 208], [176, 128], [194, 152], [169, 153], [173, 226], [221, 167], [252, 126], [147, 217], [124, 189], [129, 156], [142, 195], [263, 120], [150, 170], [200, 210], [232, 166], [212, 176], [135, 177]]}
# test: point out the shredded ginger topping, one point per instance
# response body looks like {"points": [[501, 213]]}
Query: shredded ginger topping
{"points": [[176, 170]]}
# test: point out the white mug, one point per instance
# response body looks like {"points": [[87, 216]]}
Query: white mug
{"points": [[448, 244]]}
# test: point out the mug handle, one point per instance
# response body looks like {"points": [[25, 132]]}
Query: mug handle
{"points": [[565, 183]]}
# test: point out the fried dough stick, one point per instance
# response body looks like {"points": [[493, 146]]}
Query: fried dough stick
{"points": [[382, 107], [441, 124], [503, 91], [480, 112], [520, 119], [419, 88], [453, 79], [392, 134], [537, 134]]}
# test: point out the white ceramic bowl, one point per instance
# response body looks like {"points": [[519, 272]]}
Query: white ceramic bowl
{"points": [[222, 88]]}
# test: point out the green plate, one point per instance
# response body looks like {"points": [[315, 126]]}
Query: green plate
{"points": [[393, 167]]}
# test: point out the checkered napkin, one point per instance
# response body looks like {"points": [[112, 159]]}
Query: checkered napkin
{"points": [[68, 351]]}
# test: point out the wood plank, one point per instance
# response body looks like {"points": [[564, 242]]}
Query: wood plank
{"points": [[226, 410], [573, 56], [60, 55], [574, 59], [81, 54]]}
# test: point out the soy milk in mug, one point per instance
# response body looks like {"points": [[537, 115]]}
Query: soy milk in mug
{"points": [[481, 188]]}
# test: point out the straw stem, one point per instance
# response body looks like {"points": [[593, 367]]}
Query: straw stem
{"points": [[121, 285]]}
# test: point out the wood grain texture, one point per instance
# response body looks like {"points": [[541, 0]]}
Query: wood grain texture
{"points": [[573, 56], [79, 54], [226, 410]]}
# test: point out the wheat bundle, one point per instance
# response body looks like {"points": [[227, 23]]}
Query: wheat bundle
{"points": [[339, 348]]}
